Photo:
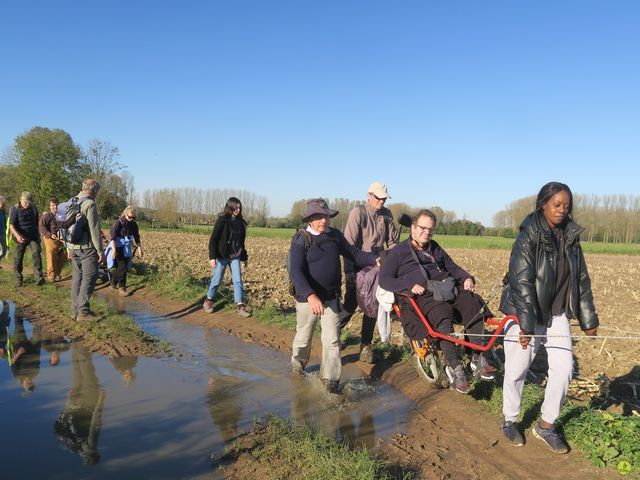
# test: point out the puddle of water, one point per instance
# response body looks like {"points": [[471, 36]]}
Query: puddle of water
{"points": [[94, 417]]}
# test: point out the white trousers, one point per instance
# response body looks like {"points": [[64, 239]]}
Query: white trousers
{"points": [[306, 320], [518, 360]]}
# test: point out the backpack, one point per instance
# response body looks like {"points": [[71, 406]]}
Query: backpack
{"points": [[71, 222], [287, 260]]}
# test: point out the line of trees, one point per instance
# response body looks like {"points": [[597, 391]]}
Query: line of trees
{"points": [[47, 162], [605, 218], [171, 206]]}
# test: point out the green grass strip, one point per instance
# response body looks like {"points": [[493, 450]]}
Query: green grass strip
{"points": [[291, 451]]}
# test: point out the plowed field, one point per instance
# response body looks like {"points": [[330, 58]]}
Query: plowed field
{"points": [[615, 281]]}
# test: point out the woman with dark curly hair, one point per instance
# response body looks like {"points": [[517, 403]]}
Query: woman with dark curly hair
{"points": [[548, 285]]}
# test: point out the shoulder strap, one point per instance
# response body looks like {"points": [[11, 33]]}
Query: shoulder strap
{"points": [[415, 257], [363, 216]]}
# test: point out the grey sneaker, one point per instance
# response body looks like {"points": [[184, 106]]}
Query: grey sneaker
{"points": [[243, 311], [366, 353], [207, 306], [511, 432], [551, 438], [481, 366], [457, 379]]}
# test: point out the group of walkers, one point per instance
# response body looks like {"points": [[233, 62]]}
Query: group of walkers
{"points": [[86, 250], [547, 285]]}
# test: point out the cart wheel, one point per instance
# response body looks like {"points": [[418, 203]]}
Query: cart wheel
{"points": [[430, 366]]}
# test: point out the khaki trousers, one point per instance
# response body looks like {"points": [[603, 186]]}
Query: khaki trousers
{"points": [[55, 255], [306, 320]]}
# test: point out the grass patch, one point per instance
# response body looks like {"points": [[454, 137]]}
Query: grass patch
{"points": [[284, 450], [608, 440], [271, 315]]}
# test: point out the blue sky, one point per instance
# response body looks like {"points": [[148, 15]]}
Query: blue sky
{"points": [[465, 105]]}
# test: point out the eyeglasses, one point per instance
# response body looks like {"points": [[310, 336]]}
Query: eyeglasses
{"points": [[130, 217], [424, 229], [380, 199]]}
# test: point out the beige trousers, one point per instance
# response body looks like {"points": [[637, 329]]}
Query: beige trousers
{"points": [[56, 256]]}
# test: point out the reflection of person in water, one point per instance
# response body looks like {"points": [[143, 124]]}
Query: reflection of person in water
{"points": [[224, 405], [4, 329], [54, 344], [26, 354], [125, 366], [78, 427]]}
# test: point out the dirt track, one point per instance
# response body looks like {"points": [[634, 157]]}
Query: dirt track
{"points": [[449, 435]]}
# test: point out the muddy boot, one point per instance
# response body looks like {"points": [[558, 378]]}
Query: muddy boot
{"points": [[207, 306], [243, 311]]}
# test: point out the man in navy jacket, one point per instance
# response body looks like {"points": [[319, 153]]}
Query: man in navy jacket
{"points": [[317, 277]]}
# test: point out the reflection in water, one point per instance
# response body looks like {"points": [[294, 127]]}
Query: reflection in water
{"points": [[78, 427], [224, 407], [5, 321], [312, 406], [54, 344], [158, 421], [125, 366], [26, 354]]}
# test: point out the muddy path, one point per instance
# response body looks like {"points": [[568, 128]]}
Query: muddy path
{"points": [[55, 317], [448, 436]]}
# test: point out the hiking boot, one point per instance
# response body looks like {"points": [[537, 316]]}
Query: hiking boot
{"points": [[551, 438], [297, 370], [114, 287], [366, 353], [19, 282], [457, 379], [481, 366], [41, 281], [332, 385], [207, 306], [511, 432], [57, 278], [123, 292], [88, 317], [243, 311]]}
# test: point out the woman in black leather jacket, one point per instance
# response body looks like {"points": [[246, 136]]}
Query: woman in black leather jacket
{"points": [[548, 285]]}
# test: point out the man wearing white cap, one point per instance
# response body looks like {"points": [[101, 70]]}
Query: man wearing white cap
{"points": [[369, 228]]}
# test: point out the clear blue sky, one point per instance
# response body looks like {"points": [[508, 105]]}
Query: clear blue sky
{"points": [[466, 105]]}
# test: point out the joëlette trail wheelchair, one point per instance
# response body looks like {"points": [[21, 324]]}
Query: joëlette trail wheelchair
{"points": [[428, 357]]}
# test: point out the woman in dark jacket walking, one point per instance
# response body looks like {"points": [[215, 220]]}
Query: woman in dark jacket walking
{"points": [[121, 231], [548, 285], [226, 249]]}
